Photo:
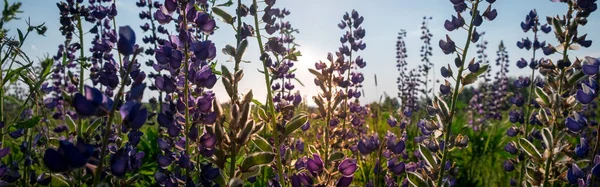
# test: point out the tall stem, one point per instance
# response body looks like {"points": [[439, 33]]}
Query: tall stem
{"points": [[346, 96], [234, 95], [528, 111], [558, 98], [108, 125], [2, 97], [448, 128], [270, 104], [160, 93], [186, 86], [81, 67]]}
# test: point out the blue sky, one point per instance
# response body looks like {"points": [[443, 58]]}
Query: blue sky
{"points": [[317, 19]]}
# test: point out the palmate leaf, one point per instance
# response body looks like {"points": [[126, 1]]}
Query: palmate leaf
{"points": [[227, 18], [530, 149], [295, 123], [28, 123], [428, 156], [257, 159], [240, 50], [548, 138], [415, 179], [13, 72], [336, 156], [261, 143]]}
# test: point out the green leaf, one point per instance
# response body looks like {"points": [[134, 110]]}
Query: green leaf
{"points": [[557, 26], [482, 69], [229, 50], [257, 159], [21, 37], [46, 67], [295, 123], [469, 79], [428, 156], [240, 50], [261, 143], [299, 82], [542, 95], [548, 138], [336, 156], [415, 179], [12, 73], [227, 18], [90, 129], [226, 4], [257, 103], [253, 172], [28, 123], [575, 78], [70, 123], [530, 149]]}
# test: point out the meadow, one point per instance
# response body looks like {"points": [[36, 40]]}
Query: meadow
{"points": [[112, 106]]}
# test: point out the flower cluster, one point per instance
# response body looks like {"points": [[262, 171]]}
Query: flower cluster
{"points": [[567, 89], [408, 79], [335, 104], [187, 113], [440, 109]]}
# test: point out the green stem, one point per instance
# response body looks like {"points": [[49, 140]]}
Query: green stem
{"points": [[528, 111], [270, 104], [234, 95], [153, 25], [448, 127], [81, 68], [558, 100], [108, 125], [186, 88], [2, 98], [378, 163], [330, 97]]}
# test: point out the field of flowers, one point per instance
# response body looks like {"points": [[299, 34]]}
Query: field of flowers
{"points": [[115, 107]]}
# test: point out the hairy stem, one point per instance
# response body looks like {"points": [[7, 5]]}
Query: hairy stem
{"points": [[81, 67], [108, 125], [270, 104], [528, 111], [448, 127]]}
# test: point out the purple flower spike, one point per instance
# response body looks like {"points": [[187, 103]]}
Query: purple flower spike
{"points": [[392, 121], [83, 107], [44, 179], [118, 163], [344, 181], [396, 168], [306, 126], [315, 164], [582, 148], [348, 167], [447, 46], [133, 115], [126, 42], [165, 84], [574, 174], [170, 5], [522, 63], [54, 161], [509, 165], [585, 95], [511, 148], [474, 67], [596, 170], [445, 72], [574, 125], [512, 131]]}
